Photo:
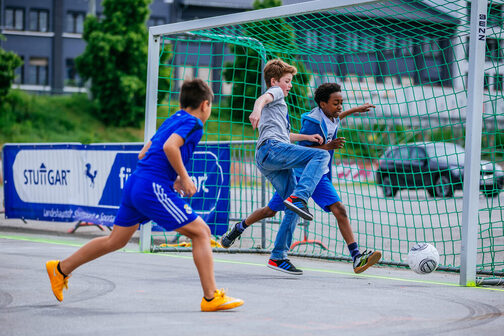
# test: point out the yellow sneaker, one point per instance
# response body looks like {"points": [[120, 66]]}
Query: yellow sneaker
{"points": [[58, 281], [220, 302]]}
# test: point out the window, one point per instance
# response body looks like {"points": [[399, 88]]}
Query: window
{"points": [[19, 73], [367, 43], [75, 22], [498, 82], [71, 76], [406, 45], [39, 71], [311, 38], [39, 20], [495, 15], [331, 40], [466, 48], [494, 49], [432, 48], [402, 153], [486, 81], [14, 18], [418, 153], [389, 43], [353, 41], [156, 21]]}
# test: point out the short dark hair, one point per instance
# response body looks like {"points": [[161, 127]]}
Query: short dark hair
{"points": [[324, 91], [276, 68], [194, 92]]}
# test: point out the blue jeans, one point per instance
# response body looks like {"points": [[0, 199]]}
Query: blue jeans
{"points": [[276, 161]]}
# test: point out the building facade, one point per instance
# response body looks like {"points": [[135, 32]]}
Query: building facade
{"points": [[47, 35]]}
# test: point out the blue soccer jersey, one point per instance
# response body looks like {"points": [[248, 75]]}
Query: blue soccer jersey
{"points": [[148, 193], [155, 163]]}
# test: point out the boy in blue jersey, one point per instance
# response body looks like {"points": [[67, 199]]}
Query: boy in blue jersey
{"points": [[276, 157], [323, 120], [152, 193]]}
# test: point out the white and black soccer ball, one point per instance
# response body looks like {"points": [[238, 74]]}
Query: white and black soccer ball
{"points": [[423, 258]]}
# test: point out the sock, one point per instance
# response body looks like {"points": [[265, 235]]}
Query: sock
{"points": [[59, 270], [354, 250], [241, 226], [208, 300]]}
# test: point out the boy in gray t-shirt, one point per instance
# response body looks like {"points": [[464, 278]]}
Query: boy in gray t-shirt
{"points": [[276, 157]]}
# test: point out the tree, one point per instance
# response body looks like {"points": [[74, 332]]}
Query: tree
{"points": [[9, 62], [115, 60], [245, 71]]}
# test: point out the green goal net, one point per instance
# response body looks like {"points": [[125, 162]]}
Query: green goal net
{"points": [[400, 172]]}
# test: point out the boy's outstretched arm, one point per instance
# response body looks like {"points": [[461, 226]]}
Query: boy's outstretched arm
{"points": [[306, 137], [259, 104], [358, 109], [171, 148]]}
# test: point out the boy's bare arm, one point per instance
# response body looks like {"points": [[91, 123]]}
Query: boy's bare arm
{"points": [[259, 104], [333, 144], [171, 147], [144, 150], [358, 109], [306, 137]]}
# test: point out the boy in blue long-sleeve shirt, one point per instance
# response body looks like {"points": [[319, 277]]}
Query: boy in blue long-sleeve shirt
{"points": [[323, 120]]}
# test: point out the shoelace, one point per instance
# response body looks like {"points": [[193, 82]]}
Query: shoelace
{"points": [[220, 293], [65, 281]]}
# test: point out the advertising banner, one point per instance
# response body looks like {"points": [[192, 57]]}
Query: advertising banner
{"points": [[75, 182]]}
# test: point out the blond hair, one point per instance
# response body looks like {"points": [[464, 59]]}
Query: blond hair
{"points": [[276, 68]]}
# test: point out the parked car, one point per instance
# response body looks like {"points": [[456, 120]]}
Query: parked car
{"points": [[437, 167]]}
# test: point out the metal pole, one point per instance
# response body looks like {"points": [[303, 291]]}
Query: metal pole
{"points": [[263, 178], [92, 7], [150, 118], [474, 116], [257, 15]]}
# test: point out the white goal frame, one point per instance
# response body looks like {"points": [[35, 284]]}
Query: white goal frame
{"points": [[474, 111]]}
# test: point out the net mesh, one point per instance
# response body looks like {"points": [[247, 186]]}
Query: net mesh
{"points": [[409, 59]]}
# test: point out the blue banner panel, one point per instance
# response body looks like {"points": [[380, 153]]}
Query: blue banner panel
{"points": [[75, 182]]}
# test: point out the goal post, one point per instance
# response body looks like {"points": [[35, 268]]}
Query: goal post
{"points": [[473, 141], [437, 88]]}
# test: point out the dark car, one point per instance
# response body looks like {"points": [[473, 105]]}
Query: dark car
{"points": [[437, 167]]}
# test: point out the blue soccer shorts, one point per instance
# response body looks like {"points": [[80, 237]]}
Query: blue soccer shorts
{"points": [[151, 199], [324, 195]]}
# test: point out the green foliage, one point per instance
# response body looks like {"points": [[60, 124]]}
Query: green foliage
{"points": [[245, 71], [9, 61], [115, 60], [34, 118]]}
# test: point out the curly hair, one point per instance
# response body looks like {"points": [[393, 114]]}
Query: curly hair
{"points": [[276, 68], [324, 91]]}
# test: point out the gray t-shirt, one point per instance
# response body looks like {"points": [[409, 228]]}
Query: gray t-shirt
{"points": [[274, 123]]}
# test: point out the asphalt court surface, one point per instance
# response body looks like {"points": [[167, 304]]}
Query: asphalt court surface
{"points": [[132, 293]]}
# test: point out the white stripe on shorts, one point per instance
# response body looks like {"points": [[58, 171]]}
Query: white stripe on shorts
{"points": [[168, 204]]}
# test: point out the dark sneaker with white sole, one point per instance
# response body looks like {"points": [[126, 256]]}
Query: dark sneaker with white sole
{"points": [[229, 237], [299, 206], [284, 265], [365, 260]]}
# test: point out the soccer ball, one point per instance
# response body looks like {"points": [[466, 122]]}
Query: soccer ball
{"points": [[423, 258]]}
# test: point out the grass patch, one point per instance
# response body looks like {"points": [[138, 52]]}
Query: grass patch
{"points": [[36, 118]]}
